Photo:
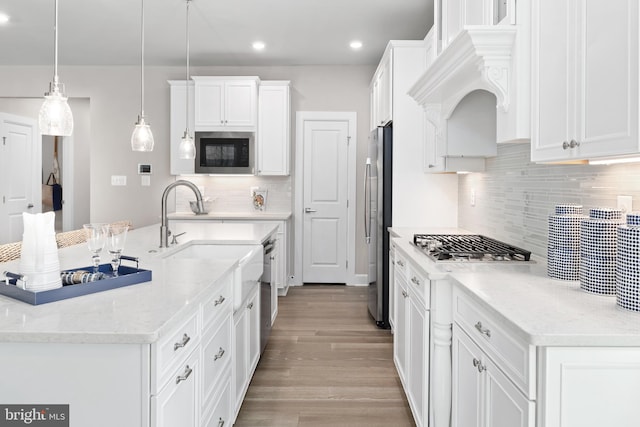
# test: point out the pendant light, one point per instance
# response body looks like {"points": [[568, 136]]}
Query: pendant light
{"points": [[142, 137], [55, 117], [187, 148]]}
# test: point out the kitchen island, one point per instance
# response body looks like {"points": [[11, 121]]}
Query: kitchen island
{"points": [[511, 346], [114, 356]]}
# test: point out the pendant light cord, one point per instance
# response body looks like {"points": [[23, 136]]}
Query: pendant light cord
{"points": [[55, 46], [141, 63], [187, 72]]}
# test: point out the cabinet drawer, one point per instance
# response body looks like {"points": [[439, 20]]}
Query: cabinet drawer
{"points": [[506, 349], [173, 349], [220, 412], [219, 303], [216, 354], [402, 264], [419, 283]]}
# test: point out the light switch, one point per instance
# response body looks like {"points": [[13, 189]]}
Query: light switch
{"points": [[118, 180]]}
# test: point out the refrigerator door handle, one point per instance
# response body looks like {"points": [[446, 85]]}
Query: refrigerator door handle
{"points": [[367, 201]]}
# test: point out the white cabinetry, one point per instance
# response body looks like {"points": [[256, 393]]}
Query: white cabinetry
{"points": [[177, 403], [411, 338], [381, 91], [392, 290], [274, 119], [247, 344], [177, 125], [494, 383], [590, 387], [226, 103], [584, 79]]}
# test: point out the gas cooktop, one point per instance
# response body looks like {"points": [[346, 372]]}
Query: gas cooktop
{"points": [[468, 247]]}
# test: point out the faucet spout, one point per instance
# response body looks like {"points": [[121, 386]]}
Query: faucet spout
{"points": [[164, 226]]}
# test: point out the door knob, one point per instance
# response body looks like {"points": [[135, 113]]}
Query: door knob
{"points": [[308, 210], [30, 205]]}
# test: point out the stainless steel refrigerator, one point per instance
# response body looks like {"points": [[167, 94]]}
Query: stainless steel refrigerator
{"points": [[377, 218]]}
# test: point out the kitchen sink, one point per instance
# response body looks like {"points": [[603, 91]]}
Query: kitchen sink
{"points": [[250, 263]]}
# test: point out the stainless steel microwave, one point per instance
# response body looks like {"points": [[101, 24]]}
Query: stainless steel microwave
{"points": [[225, 152]]}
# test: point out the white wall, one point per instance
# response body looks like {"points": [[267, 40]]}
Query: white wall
{"points": [[114, 95]]}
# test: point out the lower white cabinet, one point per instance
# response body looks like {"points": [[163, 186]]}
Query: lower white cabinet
{"points": [[220, 414], [483, 396], [246, 322], [392, 291], [589, 386], [494, 370], [177, 403], [411, 337]]}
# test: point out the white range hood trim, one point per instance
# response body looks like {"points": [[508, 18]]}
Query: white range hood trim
{"points": [[480, 57]]}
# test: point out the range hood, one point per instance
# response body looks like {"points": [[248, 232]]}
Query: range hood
{"points": [[480, 57]]}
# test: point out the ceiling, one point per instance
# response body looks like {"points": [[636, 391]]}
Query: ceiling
{"points": [[296, 32]]}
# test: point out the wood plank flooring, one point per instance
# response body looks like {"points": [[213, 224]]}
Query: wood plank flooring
{"points": [[326, 364]]}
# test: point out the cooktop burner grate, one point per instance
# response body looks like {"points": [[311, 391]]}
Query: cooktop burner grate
{"points": [[458, 247]]}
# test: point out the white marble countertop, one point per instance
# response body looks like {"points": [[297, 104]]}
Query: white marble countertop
{"points": [[544, 311], [248, 215], [133, 314]]}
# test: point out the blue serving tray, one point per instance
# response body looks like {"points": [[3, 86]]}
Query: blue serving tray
{"points": [[127, 276]]}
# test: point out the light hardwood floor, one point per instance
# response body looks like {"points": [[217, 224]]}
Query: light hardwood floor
{"points": [[326, 364]]}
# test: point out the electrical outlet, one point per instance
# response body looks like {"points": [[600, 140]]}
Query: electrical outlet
{"points": [[625, 204], [473, 197]]}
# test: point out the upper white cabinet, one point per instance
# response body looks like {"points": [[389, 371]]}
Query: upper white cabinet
{"points": [[382, 92], [177, 124], [274, 121], [226, 103], [584, 79]]}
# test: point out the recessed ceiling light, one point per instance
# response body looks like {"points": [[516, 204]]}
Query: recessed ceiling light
{"points": [[355, 44], [258, 45], [4, 18]]}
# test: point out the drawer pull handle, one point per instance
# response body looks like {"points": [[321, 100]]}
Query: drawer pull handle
{"points": [[415, 280], [185, 339], [483, 331], [221, 422], [400, 263], [219, 301], [219, 355], [250, 306], [478, 365], [405, 294], [183, 377]]}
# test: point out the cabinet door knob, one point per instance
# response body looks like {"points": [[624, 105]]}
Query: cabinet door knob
{"points": [[400, 263], [478, 365], [185, 339], [573, 143], [250, 306], [183, 377], [405, 294]]}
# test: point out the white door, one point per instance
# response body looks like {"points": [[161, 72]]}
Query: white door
{"points": [[325, 170], [20, 164]]}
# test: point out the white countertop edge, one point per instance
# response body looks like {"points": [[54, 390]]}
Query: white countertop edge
{"points": [[250, 216]]}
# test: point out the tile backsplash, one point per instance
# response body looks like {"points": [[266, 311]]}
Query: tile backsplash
{"points": [[514, 197], [233, 193]]}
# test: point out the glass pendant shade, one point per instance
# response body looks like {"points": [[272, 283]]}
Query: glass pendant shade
{"points": [[187, 148], [55, 116], [142, 137]]}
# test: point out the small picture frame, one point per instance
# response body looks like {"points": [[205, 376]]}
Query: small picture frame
{"points": [[260, 199]]}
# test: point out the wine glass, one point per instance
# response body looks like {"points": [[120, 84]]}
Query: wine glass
{"points": [[96, 237], [116, 237]]}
